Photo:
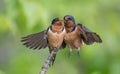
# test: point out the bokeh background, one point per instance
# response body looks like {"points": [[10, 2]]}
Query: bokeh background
{"points": [[19, 18]]}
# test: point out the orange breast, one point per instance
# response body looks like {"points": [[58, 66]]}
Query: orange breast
{"points": [[57, 28], [73, 39]]}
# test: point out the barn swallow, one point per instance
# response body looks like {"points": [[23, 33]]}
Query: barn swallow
{"points": [[78, 34], [51, 38]]}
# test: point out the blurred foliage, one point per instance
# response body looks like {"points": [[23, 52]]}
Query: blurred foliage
{"points": [[22, 17]]}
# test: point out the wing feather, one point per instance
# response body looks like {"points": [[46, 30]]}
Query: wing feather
{"points": [[36, 41], [88, 36]]}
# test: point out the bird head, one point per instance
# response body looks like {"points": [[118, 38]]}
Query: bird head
{"points": [[69, 21], [57, 25], [57, 21]]}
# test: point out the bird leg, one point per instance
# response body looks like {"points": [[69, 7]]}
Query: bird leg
{"points": [[78, 52], [70, 52]]}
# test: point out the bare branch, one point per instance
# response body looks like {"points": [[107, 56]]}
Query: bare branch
{"points": [[48, 61]]}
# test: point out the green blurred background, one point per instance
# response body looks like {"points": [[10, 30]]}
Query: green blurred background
{"points": [[19, 18]]}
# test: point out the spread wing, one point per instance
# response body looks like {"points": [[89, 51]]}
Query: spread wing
{"points": [[36, 41], [88, 36]]}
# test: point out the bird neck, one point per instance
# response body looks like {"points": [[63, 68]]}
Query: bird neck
{"points": [[70, 29], [56, 28]]}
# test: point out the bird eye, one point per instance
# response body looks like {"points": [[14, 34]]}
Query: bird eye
{"points": [[69, 19]]}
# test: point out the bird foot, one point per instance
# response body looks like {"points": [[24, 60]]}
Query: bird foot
{"points": [[78, 53]]}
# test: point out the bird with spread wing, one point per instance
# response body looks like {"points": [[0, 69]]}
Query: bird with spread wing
{"points": [[52, 37], [78, 34]]}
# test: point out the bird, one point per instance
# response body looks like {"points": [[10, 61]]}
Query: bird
{"points": [[78, 34], [52, 38]]}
